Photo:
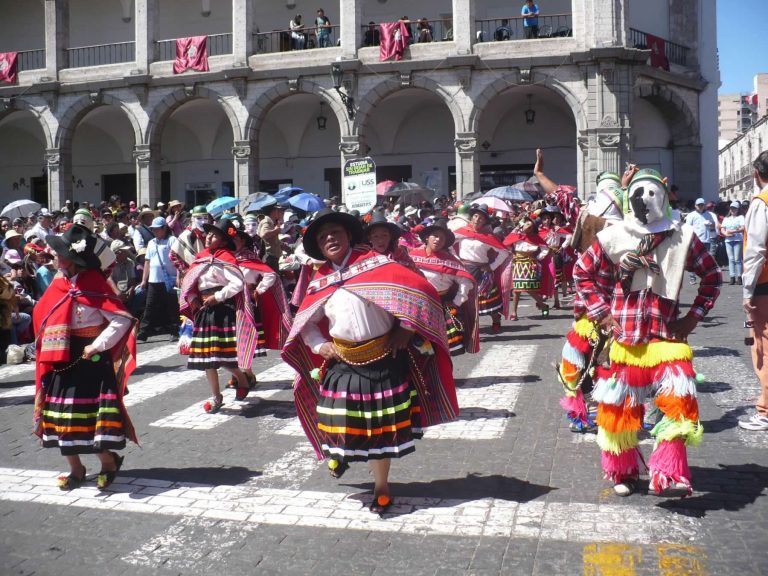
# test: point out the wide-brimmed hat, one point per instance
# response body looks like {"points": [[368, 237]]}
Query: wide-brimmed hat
{"points": [[118, 245], [327, 216], [480, 209], [173, 203], [225, 228], [440, 224], [379, 219], [77, 245], [12, 234]]}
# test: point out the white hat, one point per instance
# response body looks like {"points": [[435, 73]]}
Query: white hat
{"points": [[12, 234], [411, 211], [160, 205], [118, 245]]}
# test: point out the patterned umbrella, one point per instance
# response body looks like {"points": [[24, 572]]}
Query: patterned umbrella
{"points": [[382, 188], [494, 203]]}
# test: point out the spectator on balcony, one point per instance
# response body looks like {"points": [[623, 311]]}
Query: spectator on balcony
{"points": [[298, 38], [372, 35], [407, 21], [424, 31], [503, 32], [323, 29], [530, 12]]}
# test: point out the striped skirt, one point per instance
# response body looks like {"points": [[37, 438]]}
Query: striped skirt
{"points": [[214, 338], [488, 297], [81, 412], [368, 412], [454, 323], [526, 274]]}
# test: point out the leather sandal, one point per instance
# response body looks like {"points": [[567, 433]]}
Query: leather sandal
{"points": [[70, 481], [106, 477]]}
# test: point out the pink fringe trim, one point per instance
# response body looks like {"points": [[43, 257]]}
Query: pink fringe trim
{"points": [[575, 406], [669, 463], [619, 467]]}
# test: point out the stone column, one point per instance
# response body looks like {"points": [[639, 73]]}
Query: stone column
{"points": [[147, 174], [464, 26], [56, 37], [59, 168], [351, 28], [147, 14], [467, 164], [609, 22], [242, 32], [245, 169]]}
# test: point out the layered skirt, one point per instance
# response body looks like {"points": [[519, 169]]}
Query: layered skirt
{"points": [[368, 412], [488, 296], [526, 273], [214, 337], [81, 412]]}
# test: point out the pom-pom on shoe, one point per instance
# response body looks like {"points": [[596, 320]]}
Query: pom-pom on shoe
{"points": [[106, 477], [380, 504], [213, 405], [337, 468], [70, 481]]}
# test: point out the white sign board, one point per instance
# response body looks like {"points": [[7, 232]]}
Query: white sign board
{"points": [[359, 184]]}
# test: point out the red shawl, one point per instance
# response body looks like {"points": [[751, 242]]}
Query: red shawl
{"points": [[490, 239], [446, 263], [273, 305], [402, 293], [515, 237], [52, 319]]}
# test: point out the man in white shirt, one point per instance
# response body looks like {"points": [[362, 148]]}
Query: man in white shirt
{"points": [[705, 226]]}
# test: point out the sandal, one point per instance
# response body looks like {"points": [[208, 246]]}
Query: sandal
{"points": [[337, 468], [380, 504], [213, 405], [70, 481], [106, 477]]}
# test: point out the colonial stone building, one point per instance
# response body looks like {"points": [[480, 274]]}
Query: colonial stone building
{"points": [[97, 109], [737, 180]]}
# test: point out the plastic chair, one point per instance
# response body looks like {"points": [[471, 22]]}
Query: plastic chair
{"points": [[545, 31]]}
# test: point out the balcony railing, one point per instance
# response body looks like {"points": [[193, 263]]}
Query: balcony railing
{"points": [[31, 60], [675, 53], [287, 40], [217, 44], [101, 54], [512, 28], [422, 31]]}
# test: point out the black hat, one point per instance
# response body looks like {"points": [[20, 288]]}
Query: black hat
{"points": [[326, 216], [76, 244], [439, 224], [480, 209], [379, 219], [227, 230]]}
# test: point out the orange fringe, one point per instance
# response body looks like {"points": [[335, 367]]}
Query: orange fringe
{"points": [[617, 419], [568, 371], [679, 407]]}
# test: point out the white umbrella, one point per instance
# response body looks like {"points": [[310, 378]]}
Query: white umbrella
{"points": [[20, 209]]}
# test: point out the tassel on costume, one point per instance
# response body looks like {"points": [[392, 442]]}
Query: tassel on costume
{"points": [[616, 442], [667, 464], [650, 355], [687, 430], [619, 467], [620, 418]]}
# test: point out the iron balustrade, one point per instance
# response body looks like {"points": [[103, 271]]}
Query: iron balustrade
{"points": [[217, 44], [675, 53], [101, 54], [285, 41], [30, 60], [421, 32], [512, 28]]}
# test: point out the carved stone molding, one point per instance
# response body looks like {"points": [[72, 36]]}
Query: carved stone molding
{"points": [[466, 145], [52, 157], [405, 79], [525, 75], [464, 76], [189, 90], [241, 150], [7, 104], [350, 148], [583, 142], [609, 122], [608, 140], [294, 84], [142, 154]]}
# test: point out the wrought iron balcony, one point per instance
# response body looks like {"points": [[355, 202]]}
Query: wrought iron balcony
{"points": [[217, 45], [501, 29], [31, 60], [675, 53], [101, 54]]}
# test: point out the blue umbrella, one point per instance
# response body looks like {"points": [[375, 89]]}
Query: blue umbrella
{"points": [[307, 202], [284, 193], [259, 201], [220, 204], [510, 193]]}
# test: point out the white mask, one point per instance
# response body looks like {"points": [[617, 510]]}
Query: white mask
{"points": [[647, 200], [251, 227], [198, 221]]}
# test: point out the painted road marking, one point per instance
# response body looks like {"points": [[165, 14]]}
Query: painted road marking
{"points": [[676, 559], [579, 522], [611, 559]]}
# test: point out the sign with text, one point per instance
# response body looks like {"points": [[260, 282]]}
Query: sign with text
{"points": [[359, 184]]}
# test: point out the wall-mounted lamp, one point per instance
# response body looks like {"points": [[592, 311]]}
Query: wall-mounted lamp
{"points": [[485, 145], [337, 75], [322, 121], [530, 113]]}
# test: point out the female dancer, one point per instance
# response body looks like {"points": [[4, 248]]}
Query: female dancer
{"points": [[86, 350], [383, 237], [529, 250]]}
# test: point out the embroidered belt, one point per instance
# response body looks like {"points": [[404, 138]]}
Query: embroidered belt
{"points": [[522, 257], [88, 331], [362, 353]]}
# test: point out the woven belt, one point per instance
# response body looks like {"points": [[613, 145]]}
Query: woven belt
{"points": [[362, 353], [88, 331]]}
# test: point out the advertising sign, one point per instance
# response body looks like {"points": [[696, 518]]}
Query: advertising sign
{"points": [[359, 184]]}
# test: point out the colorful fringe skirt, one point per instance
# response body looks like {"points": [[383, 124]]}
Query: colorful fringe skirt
{"points": [[368, 412], [214, 338], [81, 411], [488, 297], [576, 355], [526, 273], [659, 368]]}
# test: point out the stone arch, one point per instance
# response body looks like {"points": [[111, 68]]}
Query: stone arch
{"points": [[82, 106], [21, 105], [163, 110], [682, 122], [392, 85], [504, 83], [268, 99]]}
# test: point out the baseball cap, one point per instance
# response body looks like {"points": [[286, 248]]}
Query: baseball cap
{"points": [[118, 245], [160, 205], [735, 204], [158, 222], [700, 201], [12, 257]]}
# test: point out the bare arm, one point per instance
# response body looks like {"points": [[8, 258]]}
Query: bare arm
{"points": [[548, 185]]}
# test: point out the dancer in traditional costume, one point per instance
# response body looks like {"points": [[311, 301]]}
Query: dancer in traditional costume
{"points": [[457, 287], [372, 334], [190, 241], [529, 249], [215, 295], [489, 262], [629, 281], [86, 350], [383, 236]]}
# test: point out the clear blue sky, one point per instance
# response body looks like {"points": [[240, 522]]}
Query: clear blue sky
{"points": [[742, 39]]}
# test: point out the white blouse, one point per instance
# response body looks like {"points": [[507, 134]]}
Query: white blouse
{"points": [[252, 277], [85, 316], [444, 282], [220, 277], [477, 252]]}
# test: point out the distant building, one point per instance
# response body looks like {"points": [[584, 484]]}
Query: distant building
{"points": [[735, 161], [736, 113]]}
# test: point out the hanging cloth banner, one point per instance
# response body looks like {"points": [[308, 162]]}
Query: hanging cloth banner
{"points": [[658, 52], [8, 67], [191, 53], [395, 37]]}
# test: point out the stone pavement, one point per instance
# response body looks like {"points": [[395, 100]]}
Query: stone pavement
{"points": [[507, 489]]}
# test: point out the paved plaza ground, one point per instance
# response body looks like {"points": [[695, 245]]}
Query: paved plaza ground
{"points": [[508, 489]]}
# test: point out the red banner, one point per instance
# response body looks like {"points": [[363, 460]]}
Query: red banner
{"points": [[658, 52], [395, 37], [8, 66], [191, 53]]}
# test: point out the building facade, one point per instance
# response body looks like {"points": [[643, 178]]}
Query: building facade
{"points": [[737, 180], [97, 109]]}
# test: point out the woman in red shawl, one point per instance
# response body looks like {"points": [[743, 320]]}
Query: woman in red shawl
{"points": [[529, 250], [457, 287], [383, 236], [86, 350]]}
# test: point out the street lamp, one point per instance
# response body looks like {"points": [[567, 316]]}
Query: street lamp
{"points": [[530, 113], [322, 121], [337, 75]]}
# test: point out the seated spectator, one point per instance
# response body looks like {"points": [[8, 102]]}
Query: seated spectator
{"points": [[503, 32], [46, 270]]}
